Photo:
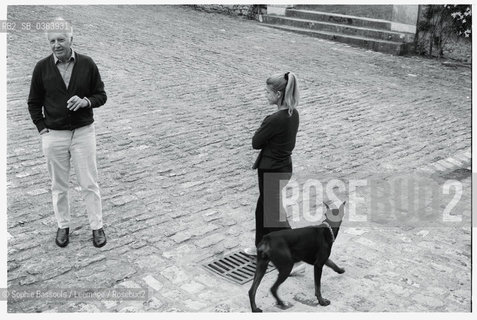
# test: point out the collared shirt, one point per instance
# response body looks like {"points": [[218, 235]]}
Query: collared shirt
{"points": [[66, 67]]}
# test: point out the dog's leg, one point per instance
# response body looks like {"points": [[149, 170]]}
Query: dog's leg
{"points": [[283, 273], [318, 271], [333, 266], [262, 264], [283, 261]]}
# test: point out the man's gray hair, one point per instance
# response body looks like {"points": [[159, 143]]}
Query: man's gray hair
{"points": [[66, 28]]}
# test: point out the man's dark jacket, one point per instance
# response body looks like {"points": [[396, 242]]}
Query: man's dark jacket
{"points": [[48, 94]]}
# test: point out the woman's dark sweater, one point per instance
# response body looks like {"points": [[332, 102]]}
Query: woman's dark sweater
{"points": [[276, 138]]}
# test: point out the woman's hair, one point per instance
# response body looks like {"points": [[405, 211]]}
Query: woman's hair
{"points": [[287, 84]]}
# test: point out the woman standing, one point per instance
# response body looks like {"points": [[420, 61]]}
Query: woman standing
{"points": [[276, 139]]}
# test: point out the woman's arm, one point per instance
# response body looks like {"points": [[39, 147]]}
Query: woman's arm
{"points": [[263, 134]]}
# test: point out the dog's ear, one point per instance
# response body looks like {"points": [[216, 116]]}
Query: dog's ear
{"points": [[341, 209], [327, 208]]}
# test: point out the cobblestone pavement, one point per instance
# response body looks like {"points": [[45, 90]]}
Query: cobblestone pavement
{"points": [[186, 92]]}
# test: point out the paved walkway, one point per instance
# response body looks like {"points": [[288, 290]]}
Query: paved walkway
{"points": [[185, 94]]}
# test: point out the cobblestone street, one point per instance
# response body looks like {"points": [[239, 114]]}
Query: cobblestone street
{"points": [[186, 92]]}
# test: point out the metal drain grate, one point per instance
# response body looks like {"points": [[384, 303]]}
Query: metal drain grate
{"points": [[236, 267], [459, 174]]}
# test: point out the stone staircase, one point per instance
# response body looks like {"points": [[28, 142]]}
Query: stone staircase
{"points": [[332, 24]]}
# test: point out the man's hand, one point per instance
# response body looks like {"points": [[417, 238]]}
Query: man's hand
{"points": [[75, 102]]}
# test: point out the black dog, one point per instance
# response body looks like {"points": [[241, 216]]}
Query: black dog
{"points": [[284, 248]]}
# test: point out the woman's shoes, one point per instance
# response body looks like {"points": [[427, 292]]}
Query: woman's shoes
{"points": [[250, 251], [298, 268]]}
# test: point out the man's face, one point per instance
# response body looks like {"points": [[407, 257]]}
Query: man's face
{"points": [[60, 45]]}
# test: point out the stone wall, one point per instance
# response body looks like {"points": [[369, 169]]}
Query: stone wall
{"points": [[245, 10], [455, 48]]}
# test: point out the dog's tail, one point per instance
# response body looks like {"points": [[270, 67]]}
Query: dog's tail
{"points": [[263, 249]]}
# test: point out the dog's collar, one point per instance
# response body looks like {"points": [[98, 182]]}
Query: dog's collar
{"points": [[331, 231]]}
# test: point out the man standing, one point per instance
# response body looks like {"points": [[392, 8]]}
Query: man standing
{"points": [[65, 87]]}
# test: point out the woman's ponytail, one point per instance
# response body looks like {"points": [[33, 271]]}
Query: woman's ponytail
{"points": [[291, 95]]}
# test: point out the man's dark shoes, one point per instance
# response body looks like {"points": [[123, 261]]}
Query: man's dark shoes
{"points": [[62, 237], [99, 238]]}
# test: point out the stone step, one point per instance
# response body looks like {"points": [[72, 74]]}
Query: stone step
{"points": [[396, 48], [340, 29], [369, 11], [339, 19]]}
